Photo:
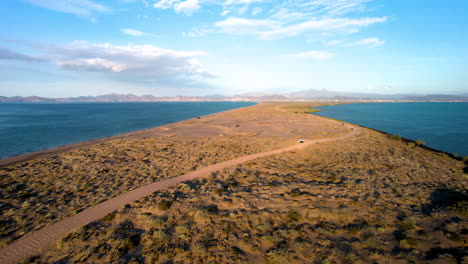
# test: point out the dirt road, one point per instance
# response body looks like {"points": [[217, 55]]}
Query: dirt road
{"points": [[30, 244]]}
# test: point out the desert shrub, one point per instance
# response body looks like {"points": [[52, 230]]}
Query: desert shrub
{"points": [[160, 235], [156, 221], [210, 209], [422, 233], [465, 159], [164, 205], [367, 234], [198, 247], [407, 224], [219, 191], [295, 192], [294, 217], [182, 229], [396, 137], [128, 236], [279, 256], [412, 241], [109, 217], [419, 142], [455, 237], [351, 258]]}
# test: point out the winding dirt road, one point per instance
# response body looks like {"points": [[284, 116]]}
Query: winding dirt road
{"points": [[30, 244]]}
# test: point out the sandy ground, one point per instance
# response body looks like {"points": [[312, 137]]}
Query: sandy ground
{"points": [[28, 245], [263, 120], [366, 199]]}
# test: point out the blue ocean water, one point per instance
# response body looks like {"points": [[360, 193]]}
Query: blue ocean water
{"points": [[442, 126], [28, 127]]}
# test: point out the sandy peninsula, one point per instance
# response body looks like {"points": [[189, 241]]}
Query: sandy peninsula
{"points": [[366, 198]]}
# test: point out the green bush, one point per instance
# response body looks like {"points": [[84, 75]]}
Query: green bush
{"points": [[396, 137]]}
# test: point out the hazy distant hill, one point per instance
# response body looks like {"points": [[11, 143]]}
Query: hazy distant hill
{"points": [[254, 96]]}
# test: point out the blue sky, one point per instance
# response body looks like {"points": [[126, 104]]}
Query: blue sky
{"points": [[201, 47]]}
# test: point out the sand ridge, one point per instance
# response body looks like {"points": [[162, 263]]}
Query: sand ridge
{"points": [[28, 245]]}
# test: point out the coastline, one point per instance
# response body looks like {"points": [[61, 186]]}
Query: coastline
{"points": [[68, 147], [148, 131], [403, 138], [300, 197]]}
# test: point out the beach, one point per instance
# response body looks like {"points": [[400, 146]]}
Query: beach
{"points": [[366, 197]]}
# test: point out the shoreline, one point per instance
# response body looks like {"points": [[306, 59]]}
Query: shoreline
{"points": [[61, 149], [246, 197], [141, 133], [403, 139]]}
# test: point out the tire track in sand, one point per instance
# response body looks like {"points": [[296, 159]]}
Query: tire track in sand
{"points": [[28, 245]]}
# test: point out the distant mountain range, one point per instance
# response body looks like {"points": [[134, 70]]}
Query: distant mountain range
{"points": [[316, 95]]}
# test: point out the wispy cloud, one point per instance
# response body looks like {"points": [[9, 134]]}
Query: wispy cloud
{"points": [[368, 42], [275, 29], [7, 54], [314, 18], [284, 19], [336, 7], [133, 32], [313, 54], [84, 8]]}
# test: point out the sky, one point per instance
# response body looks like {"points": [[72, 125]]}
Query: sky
{"points": [[68, 48]]}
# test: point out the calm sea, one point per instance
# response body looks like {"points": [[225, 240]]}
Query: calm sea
{"points": [[28, 127], [442, 126]]}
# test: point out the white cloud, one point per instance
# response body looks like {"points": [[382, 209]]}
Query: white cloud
{"points": [[132, 61], [371, 42], [95, 64], [77, 7], [225, 12], [133, 32], [187, 7], [275, 29], [313, 54], [165, 4]]}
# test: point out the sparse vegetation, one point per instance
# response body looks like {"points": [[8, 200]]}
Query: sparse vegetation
{"points": [[367, 200]]}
